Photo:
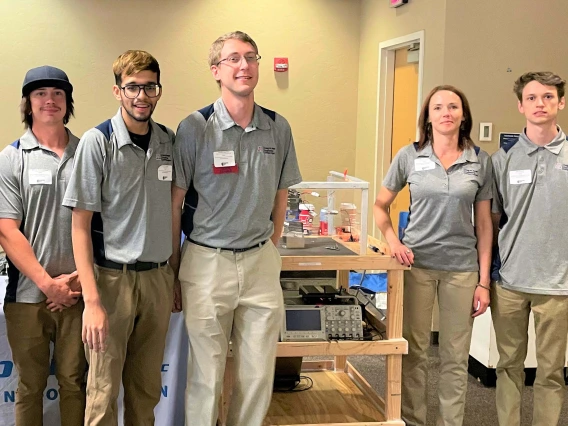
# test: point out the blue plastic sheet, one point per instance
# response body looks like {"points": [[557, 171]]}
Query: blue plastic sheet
{"points": [[374, 282]]}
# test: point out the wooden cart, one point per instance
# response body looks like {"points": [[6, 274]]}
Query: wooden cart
{"points": [[340, 395]]}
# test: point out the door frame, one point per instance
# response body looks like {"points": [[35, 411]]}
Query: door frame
{"points": [[385, 90]]}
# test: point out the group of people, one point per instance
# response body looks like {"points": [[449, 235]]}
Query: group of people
{"points": [[92, 230], [483, 230]]}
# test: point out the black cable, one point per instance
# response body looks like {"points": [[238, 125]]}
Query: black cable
{"points": [[296, 387]]}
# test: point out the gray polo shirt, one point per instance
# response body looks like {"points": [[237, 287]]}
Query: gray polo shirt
{"points": [[234, 209], [32, 184], [531, 189], [440, 228], [129, 191]]}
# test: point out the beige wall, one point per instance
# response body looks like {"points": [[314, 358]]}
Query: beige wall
{"points": [[470, 44], [484, 38], [330, 94], [318, 95], [380, 23]]}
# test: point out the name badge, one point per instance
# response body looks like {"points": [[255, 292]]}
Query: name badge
{"points": [[163, 157], [518, 177], [224, 158], [40, 177], [165, 172], [226, 169], [560, 166], [423, 164]]}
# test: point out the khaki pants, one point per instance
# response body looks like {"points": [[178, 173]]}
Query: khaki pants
{"points": [[238, 297], [138, 305], [510, 312], [455, 298], [30, 328]]}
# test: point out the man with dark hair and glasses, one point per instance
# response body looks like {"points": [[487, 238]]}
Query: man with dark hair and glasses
{"points": [[234, 163], [42, 303], [120, 192]]}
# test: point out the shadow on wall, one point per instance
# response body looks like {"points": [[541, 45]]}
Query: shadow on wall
{"points": [[281, 79]]}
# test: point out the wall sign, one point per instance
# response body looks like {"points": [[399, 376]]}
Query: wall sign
{"points": [[507, 139]]}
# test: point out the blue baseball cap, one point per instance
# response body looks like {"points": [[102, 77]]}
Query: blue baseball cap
{"points": [[46, 76]]}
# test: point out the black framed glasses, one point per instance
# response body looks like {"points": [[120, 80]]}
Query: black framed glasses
{"points": [[131, 91], [235, 60]]}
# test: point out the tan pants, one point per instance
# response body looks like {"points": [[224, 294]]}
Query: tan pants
{"points": [[30, 328], [455, 298], [238, 297], [510, 312], [138, 305]]}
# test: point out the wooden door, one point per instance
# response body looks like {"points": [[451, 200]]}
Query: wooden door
{"points": [[404, 119]]}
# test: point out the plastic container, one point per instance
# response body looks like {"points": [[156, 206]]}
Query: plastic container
{"points": [[351, 220], [323, 225], [306, 217]]}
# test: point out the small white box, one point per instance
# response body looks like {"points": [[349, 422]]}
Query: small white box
{"points": [[485, 132]]}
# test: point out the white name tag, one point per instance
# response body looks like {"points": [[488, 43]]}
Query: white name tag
{"points": [[224, 158], [40, 177], [423, 164], [165, 172], [518, 177]]}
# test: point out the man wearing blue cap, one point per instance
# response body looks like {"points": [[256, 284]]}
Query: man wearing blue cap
{"points": [[42, 303]]}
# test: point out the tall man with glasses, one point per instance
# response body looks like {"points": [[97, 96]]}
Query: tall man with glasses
{"points": [[120, 192], [234, 161]]}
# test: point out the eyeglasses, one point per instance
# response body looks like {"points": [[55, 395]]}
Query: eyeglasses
{"points": [[131, 91], [235, 60]]}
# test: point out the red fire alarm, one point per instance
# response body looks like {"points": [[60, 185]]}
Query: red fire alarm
{"points": [[280, 64]]}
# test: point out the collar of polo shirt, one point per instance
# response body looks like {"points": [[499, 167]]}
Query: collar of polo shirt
{"points": [[28, 142], [259, 118], [123, 137], [554, 146], [427, 151], [468, 156]]}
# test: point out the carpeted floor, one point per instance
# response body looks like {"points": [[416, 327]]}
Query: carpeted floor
{"points": [[480, 407]]}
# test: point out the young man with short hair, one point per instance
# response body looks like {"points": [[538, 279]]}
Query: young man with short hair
{"points": [[531, 194], [120, 192], [42, 303], [234, 162]]}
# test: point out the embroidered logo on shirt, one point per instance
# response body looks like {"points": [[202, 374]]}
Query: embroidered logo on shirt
{"points": [[560, 166], [471, 172], [266, 150], [163, 157]]}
